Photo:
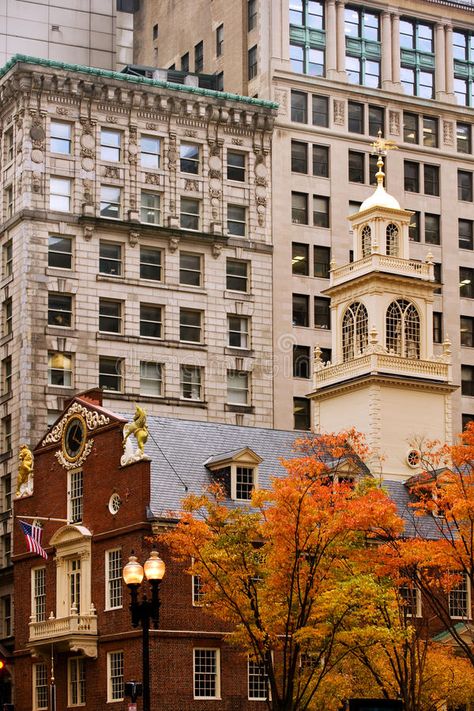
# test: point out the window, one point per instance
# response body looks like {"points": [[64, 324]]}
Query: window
{"points": [[110, 258], [150, 148], [199, 57], [237, 387], [467, 331], [411, 176], [463, 138], [376, 120], [9, 201], [355, 331], [236, 220], [219, 40], [320, 110], [7, 313], [73, 565], [431, 178], [190, 269], [257, 681], [300, 259], [238, 331], [7, 492], [299, 107], [7, 547], [356, 167], [411, 599], [59, 310], [7, 254], [301, 413], [301, 361], [110, 316], [252, 62], [251, 14], [467, 380], [237, 275], [307, 60], [356, 117], [464, 185], [60, 194], [321, 161], [151, 379], [7, 375], [9, 144], [416, 42], [150, 263], [414, 227], [110, 201], [75, 499], [322, 312], [190, 325], [185, 62], [410, 127], [220, 81], [38, 590], [417, 83], [430, 132], [320, 211], [465, 234], [110, 145], [437, 327], [299, 157], [307, 13], [437, 276], [110, 374], [463, 51], [360, 26], [40, 687], [432, 229], [206, 674], [150, 321], [191, 382], [59, 252], [6, 609], [189, 158], [299, 208], [113, 563], [403, 329], [300, 310], [61, 137], [197, 591], [235, 166], [115, 676], [76, 681], [466, 419], [150, 208], [459, 598], [322, 258], [60, 370], [189, 216]]}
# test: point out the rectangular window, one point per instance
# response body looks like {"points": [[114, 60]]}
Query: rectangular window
{"points": [[437, 269], [9, 144], [60, 194], [150, 151], [467, 380], [237, 275], [320, 211], [431, 179], [238, 331], [110, 374], [299, 107], [60, 370], [411, 598], [299, 208], [110, 145], [7, 492], [257, 681], [151, 379], [300, 310], [432, 229], [322, 258], [206, 674], [110, 316], [61, 134], [191, 382], [251, 14], [322, 312], [411, 176], [300, 259], [321, 161], [75, 498], [38, 589], [151, 321], [6, 611], [190, 271], [185, 62], [301, 361], [150, 212], [115, 685], [190, 326], [299, 157], [113, 563], [252, 62], [76, 681], [410, 127], [7, 313], [356, 167], [59, 310], [465, 234], [236, 220], [7, 375], [7, 544], [189, 214], [301, 413], [9, 201], [40, 687], [59, 252], [414, 227], [463, 138], [437, 327], [376, 120], [150, 263], [430, 132], [110, 258], [244, 483], [464, 185], [237, 387], [110, 201], [356, 117], [459, 598], [467, 331], [320, 110], [199, 57], [7, 255], [219, 40], [236, 166], [189, 158], [197, 591]]}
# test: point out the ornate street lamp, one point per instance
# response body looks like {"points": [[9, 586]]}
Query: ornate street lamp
{"points": [[147, 609]]}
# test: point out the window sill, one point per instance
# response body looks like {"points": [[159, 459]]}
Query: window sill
{"points": [[109, 277], [60, 272], [167, 343], [4, 456], [238, 295], [61, 390], [238, 352], [245, 409], [7, 280], [137, 397], [4, 398], [65, 331], [6, 339]]}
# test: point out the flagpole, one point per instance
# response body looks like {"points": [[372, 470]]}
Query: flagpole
{"points": [[43, 518], [53, 682]]}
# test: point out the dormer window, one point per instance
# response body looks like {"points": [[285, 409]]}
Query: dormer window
{"points": [[244, 483], [391, 240], [237, 472]]}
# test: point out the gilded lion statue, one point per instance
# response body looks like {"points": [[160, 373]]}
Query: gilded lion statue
{"points": [[25, 470]]}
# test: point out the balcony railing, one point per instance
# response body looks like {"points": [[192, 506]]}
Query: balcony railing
{"points": [[383, 263], [74, 631]]}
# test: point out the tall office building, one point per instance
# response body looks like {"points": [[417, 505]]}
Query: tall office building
{"points": [[342, 72]]}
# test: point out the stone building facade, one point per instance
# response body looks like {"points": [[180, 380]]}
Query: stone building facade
{"points": [[340, 72]]}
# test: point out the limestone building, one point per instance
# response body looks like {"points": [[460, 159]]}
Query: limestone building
{"points": [[340, 72]]}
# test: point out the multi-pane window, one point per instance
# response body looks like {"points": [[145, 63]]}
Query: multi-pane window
{"points": [[150, 263], [191, 382], [467, 331], [110, 258], [300, 259], [219, 40], [110, 201], [7, 258], [319, 110], [110, 316], [411, 176], [150, 208], [38, 589], [356, 167], [403, 329], [110, 144], [60, 370], [151, 321], [236, 220], [59, 252], [306, 59], [432, 229], [361, 23], [60, 310], [355, 117], [320, 211], [76, 681], [465, 234], [465, 185], [60, 194], [189, 214], [237, 387], [355, 331], [301, 361], [61, 137], [9, 201], [197, 591], [113, 562], [251, 14], [190, 270], [463, 53], [7, 314], [236, 166], [300, 310], [6, 375], [74, 574], [322, 312], [437, 269], [199, 57], [299, 157], [322, 258], [467, 380], [410, 127], [301, 413], [362, 29], [463, 138], [414, 227], [411, 599], [299, 107], [417, 61], [150, 150], [75, 497], [189, 158], [437, 327], [151, 378], [430, 132], [299, 208], [238, 331], [244, 483], [190, 325], [40, 687], [431, 179], [307, 13], [237, 275], [9, 145], [417, 83], [7, 492], [7, 544], [252, 62], [257, 681], [321, 161], [459, 598], [115, 685], [110, 374], [206, 674]]}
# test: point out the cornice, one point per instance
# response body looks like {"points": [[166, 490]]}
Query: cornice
{"points": [[402, 381]]}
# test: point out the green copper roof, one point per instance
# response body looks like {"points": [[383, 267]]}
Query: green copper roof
{"points": [[106, 73]]}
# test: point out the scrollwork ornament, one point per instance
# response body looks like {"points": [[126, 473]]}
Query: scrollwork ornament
{"points": [[93, 421], [78, 462]]}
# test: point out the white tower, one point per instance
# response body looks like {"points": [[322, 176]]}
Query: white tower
{"points": [[384, 379]]}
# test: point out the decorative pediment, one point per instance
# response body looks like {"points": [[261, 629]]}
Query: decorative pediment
{"points": [[94, 418], [244, 455], [69, 534]]}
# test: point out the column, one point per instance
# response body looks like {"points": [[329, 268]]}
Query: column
{"points": [[449, 61], [396, 49], [386, 57], [440, 66], [331, 41], [340, 38]]}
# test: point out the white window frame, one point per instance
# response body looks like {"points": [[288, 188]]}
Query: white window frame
{"points": [[417, 592], [153, 210], [193, 383], [110, 697], [241, 377], [7, 619], [38, 593], [237, 226], [109, 580], [457, 589], [65, 139], [243, 332], [75, 479], [156, 154], [217, 653], [145, 379], [144, 263], [110, 146], [187, 214], [234, 474], [117, 374], [77, 664], [44, 673], [259, 676], [67, 372], [52, 251], [62, 189], [113, 201]]}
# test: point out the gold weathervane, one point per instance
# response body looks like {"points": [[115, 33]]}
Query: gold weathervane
{"points": [[380, 147]]}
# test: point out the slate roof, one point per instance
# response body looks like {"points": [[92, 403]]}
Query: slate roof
{"points": [[415, 526]]}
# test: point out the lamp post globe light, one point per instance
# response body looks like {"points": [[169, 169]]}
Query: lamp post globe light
{"points": [[147, 609]]}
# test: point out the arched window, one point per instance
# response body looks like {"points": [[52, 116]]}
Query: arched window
{"points": [[403, 329], [391, 240], [366, 241], [355, 331]]}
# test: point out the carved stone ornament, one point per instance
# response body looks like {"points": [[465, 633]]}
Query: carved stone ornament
{"points": [[173, 244], [152, 179], [133, 238], [339, 107], [217, 174], [215, 151], [37, 133], [88, 232], [36, 182], [237, 141], [77, 462], [111, 171], [93, 421], [172, 153], [88, 191], [24, 482], [62, 111], [448, 133], [192, 185], [394, 122], [281, 98], [216, 250]]}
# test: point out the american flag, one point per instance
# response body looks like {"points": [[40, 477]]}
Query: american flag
{"points": [[33, 535]]}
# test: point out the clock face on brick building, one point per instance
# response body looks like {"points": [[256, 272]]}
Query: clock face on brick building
{"points": [[74, 438]]}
